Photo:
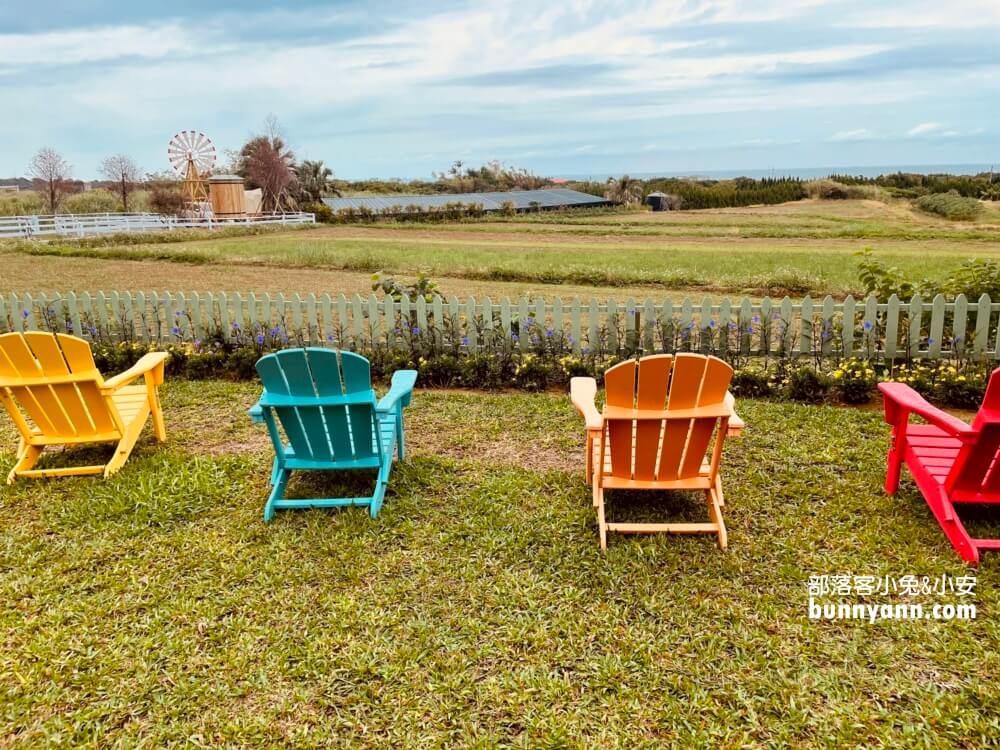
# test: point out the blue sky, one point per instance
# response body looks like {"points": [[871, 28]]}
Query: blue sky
{"points": [[575, 87]]}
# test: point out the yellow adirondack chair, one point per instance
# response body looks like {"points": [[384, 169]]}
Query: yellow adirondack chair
{"points": [[55, 396], [654, 433]]}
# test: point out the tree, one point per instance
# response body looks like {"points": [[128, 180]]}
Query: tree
{"points": [[624, 190], [122, 170], [315, 179], [52, 170], [266, 162]]}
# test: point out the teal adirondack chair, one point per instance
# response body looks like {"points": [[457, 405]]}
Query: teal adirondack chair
{"points": [[326, 406]]}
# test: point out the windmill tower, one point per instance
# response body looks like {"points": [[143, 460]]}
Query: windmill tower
{"points": [[192, 155]]}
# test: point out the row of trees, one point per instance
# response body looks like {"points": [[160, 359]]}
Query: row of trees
{"points": [[983, 186], [54, 176], [265, 161]]}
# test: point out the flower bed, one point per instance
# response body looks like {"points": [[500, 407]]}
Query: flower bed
{"points": [[958, 384]]}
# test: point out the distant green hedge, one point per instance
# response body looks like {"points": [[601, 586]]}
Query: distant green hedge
{"points": [[951, 205], [743, 191]]}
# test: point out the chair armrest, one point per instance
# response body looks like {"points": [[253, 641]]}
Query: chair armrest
{"points": [[256, 413], [149, 363], [400, 391], [900, 400], [736, 424], [582, 392]]}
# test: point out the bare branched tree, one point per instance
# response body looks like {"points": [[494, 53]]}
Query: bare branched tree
{"points": [[53, 171], [122, 170], [266, 162]]}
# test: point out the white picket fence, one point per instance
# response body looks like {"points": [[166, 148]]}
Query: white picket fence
{"points": [[869, 328], [82, 225]]}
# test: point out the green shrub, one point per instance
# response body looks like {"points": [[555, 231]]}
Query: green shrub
{"points": [[830, 189], [167, 201], [442, 371], [752, 382], [960, 388], [91, 202], [807, 384], [973, 278], [951, 205], [484, 371], [957, 386], [22, 203], [573, 366], [854, 381], [532, 373], [324, 214]]}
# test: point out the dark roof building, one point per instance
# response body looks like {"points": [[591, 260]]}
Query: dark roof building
{"points": [[522, 200]]}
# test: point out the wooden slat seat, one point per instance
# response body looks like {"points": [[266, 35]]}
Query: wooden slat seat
{"points": [[56, 396]]}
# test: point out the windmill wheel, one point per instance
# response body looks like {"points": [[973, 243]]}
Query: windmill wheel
{"points": [[194, 148]]}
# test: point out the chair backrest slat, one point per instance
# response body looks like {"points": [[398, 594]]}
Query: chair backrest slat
{"points": [[357, 379], [653, 377], [714, 385], [619, 387]]}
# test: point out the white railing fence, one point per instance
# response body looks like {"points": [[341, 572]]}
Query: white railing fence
{"points": [[82, 225], [891, 329]]}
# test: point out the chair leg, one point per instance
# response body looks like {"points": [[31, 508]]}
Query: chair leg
{"points": [[400, 442], [602, 526], [894, 462], [277, 492], [944, 511], [124, 447], [380, 484], [159, 428], [27, 456], [714, 496]]}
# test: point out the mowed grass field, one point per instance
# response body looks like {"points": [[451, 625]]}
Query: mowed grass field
{"points": [[808, 247], [156, 609]]}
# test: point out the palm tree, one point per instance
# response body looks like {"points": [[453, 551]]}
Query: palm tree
{"points": [[624, 190], [315, 180]]}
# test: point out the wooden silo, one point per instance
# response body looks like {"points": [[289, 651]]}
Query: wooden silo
{"points": [[226, 193]]}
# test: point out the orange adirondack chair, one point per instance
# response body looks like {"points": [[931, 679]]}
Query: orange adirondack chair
{"points": [[951, 461], [654, 433], [55, 396]]}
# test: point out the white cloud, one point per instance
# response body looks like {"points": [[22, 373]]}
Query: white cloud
{"points": [[93, 45], [851, 135], [924, 128], [927, 14]]}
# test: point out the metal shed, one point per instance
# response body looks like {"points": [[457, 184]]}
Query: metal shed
{"points": [[522, 200]]}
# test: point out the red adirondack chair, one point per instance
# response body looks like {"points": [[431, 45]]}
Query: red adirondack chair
{"points": [[951, 462]]}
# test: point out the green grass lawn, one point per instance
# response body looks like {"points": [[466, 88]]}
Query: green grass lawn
{"points": [[156, 608], [794, 249]]}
